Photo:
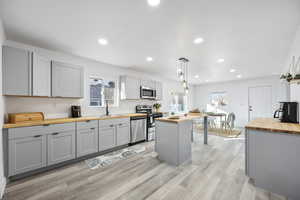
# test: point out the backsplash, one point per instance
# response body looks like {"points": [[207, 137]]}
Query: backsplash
{"points": [[57, 107]]}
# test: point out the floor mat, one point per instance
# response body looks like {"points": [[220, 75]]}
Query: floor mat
{"points": [[110, 158]]}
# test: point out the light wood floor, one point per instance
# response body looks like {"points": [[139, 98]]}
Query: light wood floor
{"points": [[216, 173]]}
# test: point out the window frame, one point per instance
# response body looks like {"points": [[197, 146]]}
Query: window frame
{"points": [[116, 92]]}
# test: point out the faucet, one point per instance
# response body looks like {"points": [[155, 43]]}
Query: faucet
{"points": [[107, 112]]}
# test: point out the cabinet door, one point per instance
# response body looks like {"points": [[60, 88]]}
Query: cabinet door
{"points": [[87, 141], [41, 75], [26, 154], [67, 80], [148, 83], [130, 87], [107, 137], [61, 147], [159, 91], [16, 71], [123, 134]]}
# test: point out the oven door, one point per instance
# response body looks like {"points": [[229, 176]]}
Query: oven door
{"points": [[147, 93]]}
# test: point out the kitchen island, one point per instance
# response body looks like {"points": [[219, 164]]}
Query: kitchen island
{"points": [[174, 138], [272, 156]]}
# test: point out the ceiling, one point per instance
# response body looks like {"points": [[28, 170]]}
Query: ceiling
{"points": [[253, 36]]}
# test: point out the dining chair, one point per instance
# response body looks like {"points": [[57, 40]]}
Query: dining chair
{"points": [[228, 124]]}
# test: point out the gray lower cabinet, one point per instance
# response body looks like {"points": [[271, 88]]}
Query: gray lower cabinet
{"points": [[16, 71], [61, 146], [107, 137], [272, 161], [26, 154], [67, 80], [31, 148], [87, 138], [113, 133], [123, 134]]}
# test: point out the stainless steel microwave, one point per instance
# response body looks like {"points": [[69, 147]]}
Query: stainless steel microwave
{"points": [[148, 93]]}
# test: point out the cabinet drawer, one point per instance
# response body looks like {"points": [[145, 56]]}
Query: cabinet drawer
{"points": [[109, 122], [123, 122], [23, 132], [52, 128], [87, 124]]}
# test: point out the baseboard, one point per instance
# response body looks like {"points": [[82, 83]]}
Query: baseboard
{"points": [[2, 186]]}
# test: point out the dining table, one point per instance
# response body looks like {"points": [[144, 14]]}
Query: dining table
{"points": [[220, 115]]}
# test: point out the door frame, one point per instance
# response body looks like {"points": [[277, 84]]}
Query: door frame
{"points": [[258, 86]]}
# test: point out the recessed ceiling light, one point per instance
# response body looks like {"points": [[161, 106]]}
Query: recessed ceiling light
{"points": [[220, 60], [232, 70], [102, 41], [153, 3], [239, 76], [197, 76], [198, 40], [149, 59]]}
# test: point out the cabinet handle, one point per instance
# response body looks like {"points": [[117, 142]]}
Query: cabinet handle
{"points": [[36, 136], [55, 133], [92, 128], [88, 120], [111, 125], [120, 124], [46, 125]]}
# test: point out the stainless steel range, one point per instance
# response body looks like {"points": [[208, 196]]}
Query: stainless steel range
{"points": [[150, 119]]}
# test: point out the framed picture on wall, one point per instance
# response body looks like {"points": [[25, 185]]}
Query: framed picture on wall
{"points": [[218, 99]]}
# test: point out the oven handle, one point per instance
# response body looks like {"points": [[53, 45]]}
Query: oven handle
{"points": [[138, 118]]}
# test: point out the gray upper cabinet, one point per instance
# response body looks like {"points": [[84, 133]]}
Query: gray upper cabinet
{"points": [[61, 146], [26, 154], [148, 84], [16, 71], [129, 88], [87, 138], [67, 80], [159, 90], [41, 75]]}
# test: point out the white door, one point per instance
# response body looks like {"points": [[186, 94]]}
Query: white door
{"points": [[260, 102]]}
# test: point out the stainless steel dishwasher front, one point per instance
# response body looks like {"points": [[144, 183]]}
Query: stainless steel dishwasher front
{"points": [[138, 130]]}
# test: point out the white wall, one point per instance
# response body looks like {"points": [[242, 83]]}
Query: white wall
{"points": [[2, 178], [60, 107], [237, 93]]}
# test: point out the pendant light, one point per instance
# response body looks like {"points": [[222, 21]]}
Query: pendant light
{"points": [[182, 72]]}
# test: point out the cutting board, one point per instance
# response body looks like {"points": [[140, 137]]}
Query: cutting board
{"points": [[15, 118]]}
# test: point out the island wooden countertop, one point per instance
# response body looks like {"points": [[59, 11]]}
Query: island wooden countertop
{"points": [[273, 125], [190, 116], [67, 120]]}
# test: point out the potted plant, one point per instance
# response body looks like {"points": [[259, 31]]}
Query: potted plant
{"points": [[294, 70], [156, 106], [288, 77]]}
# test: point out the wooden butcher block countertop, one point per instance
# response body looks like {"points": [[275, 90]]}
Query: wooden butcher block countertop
{"points": [[67, 120], [273, 125], [179, 119]]}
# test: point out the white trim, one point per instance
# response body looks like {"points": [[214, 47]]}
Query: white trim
{"points": [[2, 187]]}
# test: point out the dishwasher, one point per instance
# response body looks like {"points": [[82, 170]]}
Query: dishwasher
{"points": [[138, 129]]}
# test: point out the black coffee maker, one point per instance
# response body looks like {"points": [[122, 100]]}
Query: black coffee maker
{"points": [[76, 111], [287, 112]]}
